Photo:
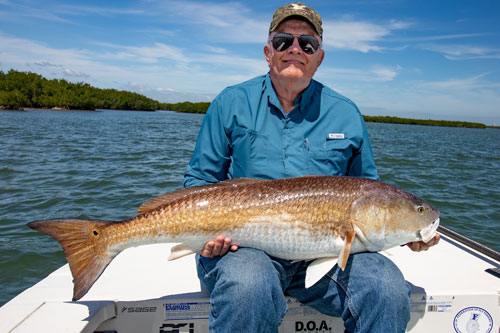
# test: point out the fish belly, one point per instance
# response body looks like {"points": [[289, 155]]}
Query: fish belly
{"points": [[277, 240]]}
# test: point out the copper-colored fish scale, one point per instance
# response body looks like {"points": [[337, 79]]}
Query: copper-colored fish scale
{"points": [[295, 218], [319, 203]]}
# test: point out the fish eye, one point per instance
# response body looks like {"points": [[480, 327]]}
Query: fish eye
{"points": [[420, 209]]}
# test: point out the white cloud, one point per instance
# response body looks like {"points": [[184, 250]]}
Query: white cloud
{"points": [[134, 86], [46, 64], [42, 12], [103, 11], [358, 35], [147, 54], [373, 74], [219, 50], [249, 65], [464, 84], [463, 52], [165, 90], [469, 99], [60, 13], [72, 73], [435, 37], [149, 67], [173, 96], [205, 13], [21, 51], [224, 22], [163, 32]]}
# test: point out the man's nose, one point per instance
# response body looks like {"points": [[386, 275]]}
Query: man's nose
{"points": [[295, 48]]}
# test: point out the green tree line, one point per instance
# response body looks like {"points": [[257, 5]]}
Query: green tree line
{"points": [[30, 90], [426, 122], [200, 107]]}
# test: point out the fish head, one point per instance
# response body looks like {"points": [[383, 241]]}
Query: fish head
{"points": [[388, 216]]}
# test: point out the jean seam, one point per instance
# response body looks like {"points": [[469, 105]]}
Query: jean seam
{"points": [[206, 274], [352, 309], [213, 312]]}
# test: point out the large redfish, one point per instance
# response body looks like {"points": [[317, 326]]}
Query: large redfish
{"points": [[311, 217]]}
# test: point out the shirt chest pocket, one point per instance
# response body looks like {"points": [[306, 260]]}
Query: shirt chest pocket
{"points": [[244, 138], [250, 149], [332, 158]]}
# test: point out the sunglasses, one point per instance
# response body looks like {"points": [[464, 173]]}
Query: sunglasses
{"points": [[282, 41]]}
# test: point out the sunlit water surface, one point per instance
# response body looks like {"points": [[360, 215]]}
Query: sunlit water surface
{"points": [[103, 165]]}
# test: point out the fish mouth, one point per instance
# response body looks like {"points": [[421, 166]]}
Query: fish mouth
{"points": [[428, 232]]}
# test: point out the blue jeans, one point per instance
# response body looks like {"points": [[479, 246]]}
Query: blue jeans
{"points": [[247, 292]]}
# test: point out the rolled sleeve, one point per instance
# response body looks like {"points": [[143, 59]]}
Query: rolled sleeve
{"points": [[211, 156], [362, 162]]}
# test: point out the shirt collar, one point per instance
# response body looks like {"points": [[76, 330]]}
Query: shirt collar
{"points": [[301, 101]]}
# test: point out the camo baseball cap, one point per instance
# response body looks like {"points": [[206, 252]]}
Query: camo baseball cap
{"points": [[297, 9]]}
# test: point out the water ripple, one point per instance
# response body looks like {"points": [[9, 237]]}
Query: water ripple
{"points": [[103, 165]]}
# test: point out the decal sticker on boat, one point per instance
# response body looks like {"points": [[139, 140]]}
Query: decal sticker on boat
{"points": [[424, 303], [177, 328], [473, 319], [185, 310], [138, 309], [312, 326]]}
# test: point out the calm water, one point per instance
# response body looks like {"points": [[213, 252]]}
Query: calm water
{"points": [[103, 165]]}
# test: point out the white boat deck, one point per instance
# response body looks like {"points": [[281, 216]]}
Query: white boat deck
{"points": [[141, 291]]}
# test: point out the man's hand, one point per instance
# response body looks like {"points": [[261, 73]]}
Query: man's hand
{"points": [[421, 246], [218, 247]]}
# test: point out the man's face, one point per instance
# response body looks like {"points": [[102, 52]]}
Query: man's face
{"points": [[294, 63]]}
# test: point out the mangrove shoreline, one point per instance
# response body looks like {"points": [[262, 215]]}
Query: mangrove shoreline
{"points": [[26, 90]]}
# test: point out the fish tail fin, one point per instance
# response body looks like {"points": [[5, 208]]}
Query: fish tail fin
{"points": [[85, 249]]}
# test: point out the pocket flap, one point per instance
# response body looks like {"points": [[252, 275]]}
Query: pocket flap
{"points": [[337, 144]]}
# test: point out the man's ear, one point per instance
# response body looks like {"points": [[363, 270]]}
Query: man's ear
{"points": [[267, 54], [321, 56]]}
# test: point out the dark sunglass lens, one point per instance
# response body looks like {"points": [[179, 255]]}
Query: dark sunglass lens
{"points": [[309, 44], [281, 42]]}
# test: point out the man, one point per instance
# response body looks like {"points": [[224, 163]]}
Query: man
{"points": [[284, 124]]}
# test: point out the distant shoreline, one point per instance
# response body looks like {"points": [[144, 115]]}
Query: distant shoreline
{"points": [[409, 121], [30, 91], [425, 122], [369, 119]]}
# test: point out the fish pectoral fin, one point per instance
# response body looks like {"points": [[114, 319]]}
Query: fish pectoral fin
{"points": [[296, 261], [180, 250], [317, 269], [346, 250]]}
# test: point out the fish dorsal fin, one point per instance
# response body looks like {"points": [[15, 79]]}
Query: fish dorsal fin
{"points": [[168, 197], [239, 181], [346, 250], [171, 196], [317, 269]]}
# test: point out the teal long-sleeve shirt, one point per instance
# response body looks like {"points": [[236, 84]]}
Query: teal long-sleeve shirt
{"points": [[245, 133]]}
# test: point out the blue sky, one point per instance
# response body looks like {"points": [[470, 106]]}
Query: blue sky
{"points": [[421, 59]]}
